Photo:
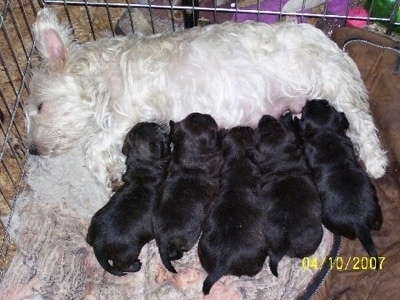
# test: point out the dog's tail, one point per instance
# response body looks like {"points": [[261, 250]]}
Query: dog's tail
{"points": [[163, 248], [274, 259], [364, 236], [211, 279], [103, 261]]}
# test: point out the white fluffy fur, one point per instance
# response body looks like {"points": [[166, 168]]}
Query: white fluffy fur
{"points": [[236, 72]]}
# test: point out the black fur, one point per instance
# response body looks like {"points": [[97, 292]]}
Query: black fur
{"points": [[291, 206], [233, 241], [191, 186], [349, 202], [120, 229]]}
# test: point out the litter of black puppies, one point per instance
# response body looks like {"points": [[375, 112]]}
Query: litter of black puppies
{"points": [[247, 194]]}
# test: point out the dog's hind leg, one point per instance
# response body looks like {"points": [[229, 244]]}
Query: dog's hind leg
{"points": [[364, 136], [352, 99]]}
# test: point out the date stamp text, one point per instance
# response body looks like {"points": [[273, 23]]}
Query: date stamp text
{"points": [[339, 263]]}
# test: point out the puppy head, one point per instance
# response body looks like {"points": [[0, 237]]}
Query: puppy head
{"points": [[147, 141], [56, 114], [197, 134], [237, 141], [319, 114], [271, 134]]}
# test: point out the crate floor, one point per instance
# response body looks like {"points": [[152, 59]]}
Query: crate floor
{"points": [[53, 260]]}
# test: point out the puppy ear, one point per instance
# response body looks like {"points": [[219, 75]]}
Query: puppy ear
{"points": [[171, 126], [307, 129], [255, 156], [287, 120], [127, 145], [296, 124], [220, 136], [344, 123], [159, 149], [126, 148], [52, 39]]}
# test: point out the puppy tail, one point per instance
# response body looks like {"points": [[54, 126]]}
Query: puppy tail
{"points": [[211, 279], [364, 236], [274, 259], [164, 254]]}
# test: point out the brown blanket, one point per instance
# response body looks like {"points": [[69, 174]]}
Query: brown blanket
{"points": [[378, 58]]}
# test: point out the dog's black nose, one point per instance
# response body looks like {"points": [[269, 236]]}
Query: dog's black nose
{"points": [[33, 150]]}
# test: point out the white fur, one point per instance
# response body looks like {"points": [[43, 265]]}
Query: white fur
{"points": [[236, 72]]}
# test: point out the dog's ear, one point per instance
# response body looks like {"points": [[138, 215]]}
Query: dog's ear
{"points": [[255, 156], [307, 130], [171, 127], [286, 119], [296, 124], [126, 147], [128, 144], [288, 122], [52, 39], [159, 150], [221, 135], [344, 123]]}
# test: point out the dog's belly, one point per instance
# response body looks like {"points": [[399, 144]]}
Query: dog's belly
{"points": [[236, 78]]}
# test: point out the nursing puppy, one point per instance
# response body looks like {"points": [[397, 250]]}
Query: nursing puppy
{"points": [[120, 229], [290, 202], [232, 241], [96, 91], [349, 202], [190, 188]]}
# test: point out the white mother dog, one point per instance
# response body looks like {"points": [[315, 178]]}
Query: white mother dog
{"points": [[98, 90]]}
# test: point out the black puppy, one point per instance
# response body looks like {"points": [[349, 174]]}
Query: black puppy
{"points": [[291, 206], [232, 241], [190, 188], [349, 202], [120, 229]]}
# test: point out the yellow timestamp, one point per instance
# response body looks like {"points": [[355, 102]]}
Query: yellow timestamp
{"points": [[339, 263]]}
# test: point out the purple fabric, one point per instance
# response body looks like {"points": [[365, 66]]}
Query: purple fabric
{"points": [[335, 7], [266, 5]]}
